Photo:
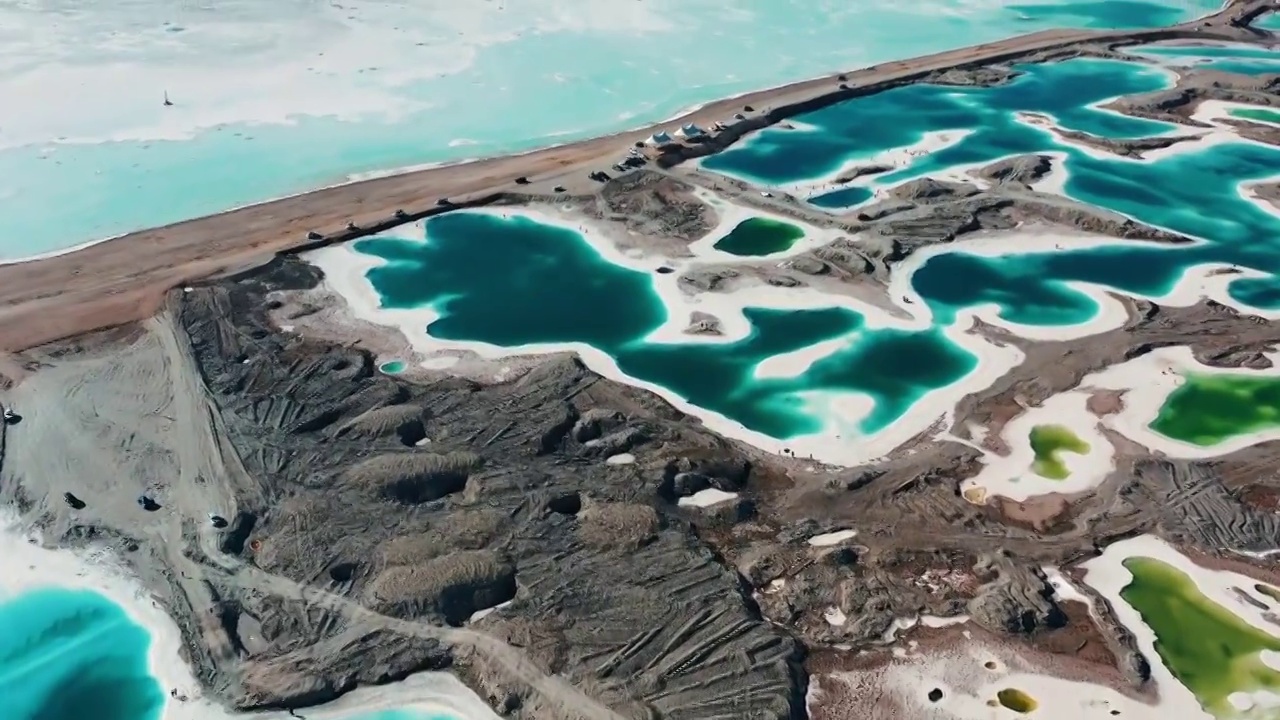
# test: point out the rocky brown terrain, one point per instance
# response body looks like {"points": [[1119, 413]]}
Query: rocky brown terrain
{"points": [[374, 521], [315, 525]]}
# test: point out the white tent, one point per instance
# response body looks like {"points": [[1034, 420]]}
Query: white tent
{"points": [[659, 138], [689, 131]]}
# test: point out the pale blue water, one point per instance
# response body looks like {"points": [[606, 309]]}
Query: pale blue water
{"points": [[547, 285], [1270, 21], [516, 94]]}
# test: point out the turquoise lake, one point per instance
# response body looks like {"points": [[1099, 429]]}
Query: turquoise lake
{"points": [[1241, 59], [1192, 193], [73, 655], [572, 80], [546, 284]]}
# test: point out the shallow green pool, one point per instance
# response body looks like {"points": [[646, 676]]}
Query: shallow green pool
{"points": [[1048, 442], [391, 367], [1209, 409], [1208, 648], [759, 236], [1268, 116]]}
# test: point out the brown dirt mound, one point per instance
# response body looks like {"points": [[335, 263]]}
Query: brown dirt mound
{"points": [[403, 421], [460, 530], [413, 478], [454, 586], [618, 525]]}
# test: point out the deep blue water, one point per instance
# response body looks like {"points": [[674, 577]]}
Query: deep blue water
{"points": [[73, 655], [546, 285]]}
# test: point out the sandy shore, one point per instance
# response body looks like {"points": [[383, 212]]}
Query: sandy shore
{"points": [[27, 565], [1012, 476], [124, 279]]}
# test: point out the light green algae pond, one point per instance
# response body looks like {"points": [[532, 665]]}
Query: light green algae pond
{"points": [[1267, 116], [1206, 647], [1016, 700], [1210, 409], [759, 236], [1048, 442]]}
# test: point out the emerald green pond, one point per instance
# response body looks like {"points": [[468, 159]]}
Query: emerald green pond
{"points": [[547, 284], [1048, 442], [1208, 649], [1210, 409], [759, 236], [391, 367], [1270, 116]]}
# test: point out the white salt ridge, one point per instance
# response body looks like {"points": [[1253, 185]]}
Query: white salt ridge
{"points": [[485, 612], [933, 621], [1064, 589], [832, 538], [706, 498], [439, 362]]}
